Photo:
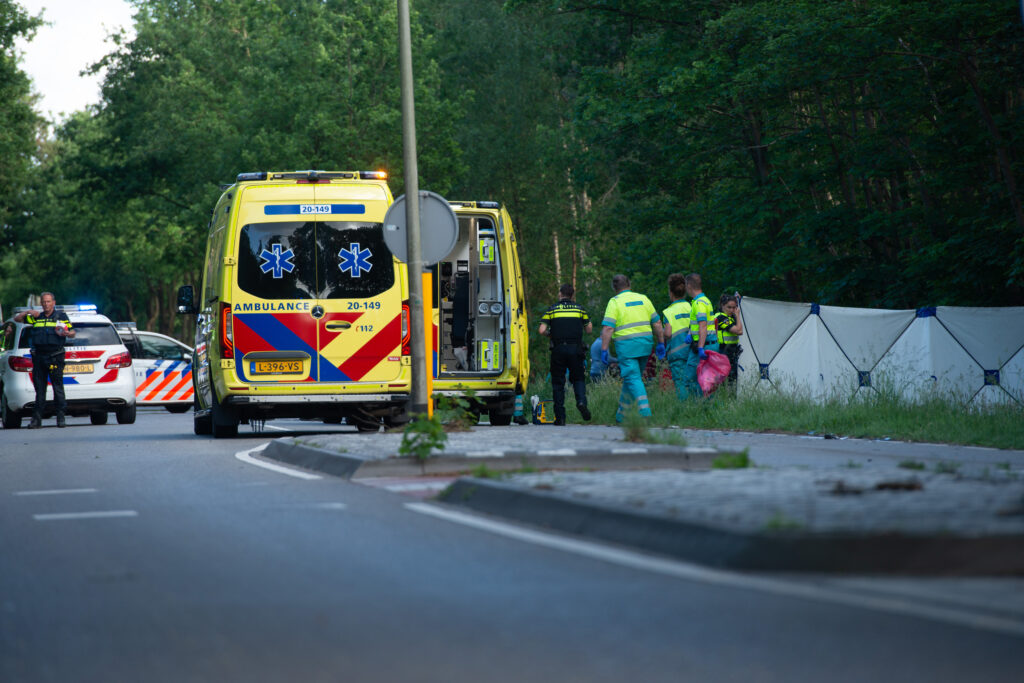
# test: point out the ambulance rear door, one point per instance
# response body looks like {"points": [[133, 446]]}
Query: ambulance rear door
{"points": [[360, 288]]}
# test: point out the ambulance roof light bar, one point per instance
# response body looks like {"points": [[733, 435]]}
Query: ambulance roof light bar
{"points": [[477, 204], [312, 176]]}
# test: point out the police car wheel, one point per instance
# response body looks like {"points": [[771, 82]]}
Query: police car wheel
{"points": [[11, 420], [126, 415], [98, 417]]}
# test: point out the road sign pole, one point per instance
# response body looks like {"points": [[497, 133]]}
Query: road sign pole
{"points": [[418, 400]]}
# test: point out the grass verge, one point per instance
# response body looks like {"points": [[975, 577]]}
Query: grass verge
{"points": [[871, 415]]}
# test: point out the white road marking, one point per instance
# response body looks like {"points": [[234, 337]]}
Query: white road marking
{"points": [[53, 492], [425, 486], [276, 428], [693, 572], [245, 456], [98, 514]]}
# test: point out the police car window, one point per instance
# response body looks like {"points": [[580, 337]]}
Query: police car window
{"points": [[93, 334], [277, 260], [354, 261], [159, 348]]}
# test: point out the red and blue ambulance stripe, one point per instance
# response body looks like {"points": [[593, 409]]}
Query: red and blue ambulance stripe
{"points": [[255, 332]]}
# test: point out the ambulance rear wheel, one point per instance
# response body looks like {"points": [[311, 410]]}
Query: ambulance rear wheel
{"points": [[98, 417], [202, 425], [499, 419], [396, 421], [224, 421], [365, 425]]}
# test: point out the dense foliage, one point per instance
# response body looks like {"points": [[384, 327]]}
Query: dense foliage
{"points": [[854, 152]]}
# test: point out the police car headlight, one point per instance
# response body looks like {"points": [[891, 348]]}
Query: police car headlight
{"points": [[496, 309], [483, 308]]}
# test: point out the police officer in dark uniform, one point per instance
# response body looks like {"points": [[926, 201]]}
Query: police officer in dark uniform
{"points": [[565, 323], [50, 330]]}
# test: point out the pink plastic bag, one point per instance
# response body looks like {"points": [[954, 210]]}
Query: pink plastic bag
{"points": [[712, 371]]}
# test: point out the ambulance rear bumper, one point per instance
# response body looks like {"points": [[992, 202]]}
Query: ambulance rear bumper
{"points": [[319, 398]]}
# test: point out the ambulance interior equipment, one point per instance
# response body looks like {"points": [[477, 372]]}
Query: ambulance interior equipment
{"points": [[469, 297]]}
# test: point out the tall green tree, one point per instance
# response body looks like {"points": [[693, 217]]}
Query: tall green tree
{"points": [[207, 89], [864, 152], [20, 128]]}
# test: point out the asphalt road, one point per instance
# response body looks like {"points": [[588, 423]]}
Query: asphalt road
{"points": [[143, 552]]}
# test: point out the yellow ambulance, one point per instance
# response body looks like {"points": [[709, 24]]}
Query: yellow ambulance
{"points": [[480, 327], [303, 310]]}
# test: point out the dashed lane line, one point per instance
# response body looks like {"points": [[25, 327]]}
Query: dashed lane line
{"points": [[53, 492], [693, 572], [96, 514]]}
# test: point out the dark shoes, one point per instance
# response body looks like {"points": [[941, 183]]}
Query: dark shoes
{"points": [[60, 421], [35, 424], [559, 421], [584, 411], [520, 420]]}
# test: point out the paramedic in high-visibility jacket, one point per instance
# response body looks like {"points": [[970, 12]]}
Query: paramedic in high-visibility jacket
{"points": [[50, 330], [702, 332], [632, 322], [677, 331]]}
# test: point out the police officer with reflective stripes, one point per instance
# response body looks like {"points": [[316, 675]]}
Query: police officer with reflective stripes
{"points": [[565, 322], [702, 331], [729, 329], [50, 330], [631, 320], [677, 331]]}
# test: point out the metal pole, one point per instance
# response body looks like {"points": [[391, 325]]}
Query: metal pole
{"points": [[418, 400]]}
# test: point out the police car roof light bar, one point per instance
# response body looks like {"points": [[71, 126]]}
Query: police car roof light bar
{"points": [[255, 175]]}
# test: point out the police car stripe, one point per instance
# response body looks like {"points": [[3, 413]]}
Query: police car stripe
{"points": [[167, 380]]}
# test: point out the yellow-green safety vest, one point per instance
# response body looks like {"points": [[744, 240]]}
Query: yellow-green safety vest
{"points": [[677, 316], [631, 315], [722, 323], [701, 309]]}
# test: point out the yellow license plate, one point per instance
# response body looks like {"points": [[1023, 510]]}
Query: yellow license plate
{"points": [[277, 367], [78, 368]]}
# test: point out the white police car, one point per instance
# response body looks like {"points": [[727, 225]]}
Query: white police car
{"points": [[97, 371], [162, 367]]}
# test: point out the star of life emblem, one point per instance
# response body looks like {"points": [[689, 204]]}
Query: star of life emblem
{"points": [[355, 260], [277, 261]]}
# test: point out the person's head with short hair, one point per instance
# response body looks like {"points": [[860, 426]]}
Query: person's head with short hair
{"points": [[693, 284], [48, 300], [727, 303], [566, 291], [620, 283], [677, 286]]}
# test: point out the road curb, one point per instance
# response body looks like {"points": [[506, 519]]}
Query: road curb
{"points": [[342, 465], [889, 553], [619, 457]]}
